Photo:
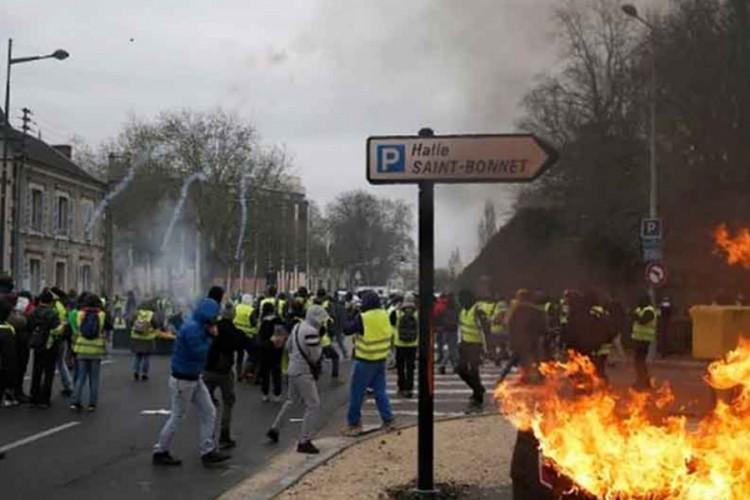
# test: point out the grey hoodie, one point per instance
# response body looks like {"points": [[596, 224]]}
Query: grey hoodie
{"points": [[308, 333]]}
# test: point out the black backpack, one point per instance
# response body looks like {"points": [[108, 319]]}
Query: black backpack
{"points": [[39, 336], [408, 327], [90, 325]]}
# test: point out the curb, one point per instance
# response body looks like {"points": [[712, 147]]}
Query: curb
{"points": [[305, 470]]}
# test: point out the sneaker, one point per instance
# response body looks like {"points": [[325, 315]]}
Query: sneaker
{"points": [[389, 425], [307, 447], [67, 392], [144, 377], [91, 408], [276, 399], [214, 457], [273, 435], [352, 430], [136, 377], [227, 443], [164, 458], [265, 398], [442, 370], [75, 407]]}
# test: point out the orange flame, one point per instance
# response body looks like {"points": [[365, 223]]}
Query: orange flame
{"points": [[736, 248], [625, 446]]}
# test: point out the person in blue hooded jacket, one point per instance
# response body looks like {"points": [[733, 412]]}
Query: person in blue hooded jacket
{"points": [[186, 385]]}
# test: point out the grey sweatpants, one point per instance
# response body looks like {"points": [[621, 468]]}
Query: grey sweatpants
{"points": [[182, 393], [302, 389]]}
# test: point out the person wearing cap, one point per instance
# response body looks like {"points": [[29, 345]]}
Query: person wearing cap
{"points": [[186, 386], [305, 354]]}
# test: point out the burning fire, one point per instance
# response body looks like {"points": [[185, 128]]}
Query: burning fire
{"points": [[626, 446], [737, 248]]}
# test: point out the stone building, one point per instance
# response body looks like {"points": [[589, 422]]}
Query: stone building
{"points": [[49, 200]]}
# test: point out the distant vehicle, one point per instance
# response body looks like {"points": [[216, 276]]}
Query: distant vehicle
{"points": [[382, 291]]}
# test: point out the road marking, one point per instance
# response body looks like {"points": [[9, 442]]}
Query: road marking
{"points": [[408, 413], [160, 411], [439, 391], [296, 420], [38, 436], [414, 401]]}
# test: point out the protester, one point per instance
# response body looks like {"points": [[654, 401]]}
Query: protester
{"points": [[372, 332], [8, 365], [89, 346], [405, 321], [143, 338], [270, 349], [526, 328], [65, 359], [218, 372], [46, 337], [18, 320], [474, 326], [305, 354], [186, 386]]}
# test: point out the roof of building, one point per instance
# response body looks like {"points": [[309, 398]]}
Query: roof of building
{"points": [[40, 152]]}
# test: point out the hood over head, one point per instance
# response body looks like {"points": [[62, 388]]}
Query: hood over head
{"points": [[370, 300], [316, 316], [206, 311]]}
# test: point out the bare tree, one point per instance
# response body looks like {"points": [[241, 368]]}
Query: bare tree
{"points": [[487, 224]]}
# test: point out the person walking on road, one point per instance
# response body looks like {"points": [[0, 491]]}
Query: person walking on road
{"points": [[186, 386], [372, 332], [89, 346], [218, 372], [305, 354], [405, 322], [143, 338], [270, 347], [473, 326], [645, 319]]}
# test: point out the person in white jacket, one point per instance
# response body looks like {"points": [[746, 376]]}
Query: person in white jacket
{"points": [[303, 346]]}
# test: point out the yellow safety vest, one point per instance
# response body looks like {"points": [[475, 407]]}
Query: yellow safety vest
{"points": [[471, 333], [242, 315], [90, 347], [397, 339], [280, 305], [647, 332], [147, 316], [500, 310], [325, 340], [375, 342], [600, 312]]}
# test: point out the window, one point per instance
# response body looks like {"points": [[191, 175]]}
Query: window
{"points": [[35, 275], [85, 277], [87, 211], [61, 275], [63, 204], [37, 209]]}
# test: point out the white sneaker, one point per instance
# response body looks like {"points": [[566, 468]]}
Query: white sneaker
{"points": [[265, 398], [276, 399]]}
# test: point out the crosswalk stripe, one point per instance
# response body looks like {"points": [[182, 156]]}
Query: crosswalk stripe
{"points": [[440, 391], [408, 413], [415, 401]]}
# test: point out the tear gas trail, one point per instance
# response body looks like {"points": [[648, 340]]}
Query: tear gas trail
{"points": [[109, 197], [197, 176], [243, 216]]}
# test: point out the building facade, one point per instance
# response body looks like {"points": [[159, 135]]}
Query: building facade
{"points": [[50, 199]]}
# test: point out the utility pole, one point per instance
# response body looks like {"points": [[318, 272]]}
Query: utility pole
{"points": [[19, 168]]}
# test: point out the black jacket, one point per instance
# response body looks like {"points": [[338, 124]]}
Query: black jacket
{"points": [[221, 354]]}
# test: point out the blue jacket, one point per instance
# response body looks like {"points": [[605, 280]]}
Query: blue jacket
{"points": [[193, 342]]}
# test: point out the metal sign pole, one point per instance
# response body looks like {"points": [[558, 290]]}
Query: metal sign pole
{"points": [[425, 444]]}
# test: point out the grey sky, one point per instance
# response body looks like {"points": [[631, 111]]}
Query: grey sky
{"points": [[319, 76]]}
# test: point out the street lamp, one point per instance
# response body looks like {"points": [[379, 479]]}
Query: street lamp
{"points": [[58, 54], [631, 11]]}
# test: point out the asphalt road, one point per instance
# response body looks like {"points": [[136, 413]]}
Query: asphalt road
{"points": [[107, 454]]}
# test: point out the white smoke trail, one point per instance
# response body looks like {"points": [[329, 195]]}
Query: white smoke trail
{"points": [[109, 197], [197, 176], [243, 216]]}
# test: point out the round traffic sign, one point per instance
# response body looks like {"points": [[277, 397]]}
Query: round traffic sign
{"points": [[656, 274]]}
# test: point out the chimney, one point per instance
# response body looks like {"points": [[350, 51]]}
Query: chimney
{"points": [[64, 149]]}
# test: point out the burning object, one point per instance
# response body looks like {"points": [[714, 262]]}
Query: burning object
{"points": [[627, 445]]}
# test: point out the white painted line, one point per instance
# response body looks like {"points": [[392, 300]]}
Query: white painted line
{"points": [[296, 420], [160, 411], [440, 391], [486, 381], [38, 436], [407, 413], [414, 401]]}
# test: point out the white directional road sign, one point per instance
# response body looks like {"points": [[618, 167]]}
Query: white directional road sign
{"points": [[656, 274], [457, 158]]}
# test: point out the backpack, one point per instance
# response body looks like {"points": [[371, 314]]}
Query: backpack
{"points": [[142, 324], [90, 325], [408, 328], [39, 336]]}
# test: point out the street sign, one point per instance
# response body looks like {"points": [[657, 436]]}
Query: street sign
{"points": [[457, 158], [651, 229], [652, 250], [656, 274]]}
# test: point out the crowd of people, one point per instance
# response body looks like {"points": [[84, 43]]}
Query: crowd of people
{"points": [[280, 338]]}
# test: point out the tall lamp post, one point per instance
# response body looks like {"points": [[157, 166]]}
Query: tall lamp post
{"points": [[632, 11], [59, 54]]}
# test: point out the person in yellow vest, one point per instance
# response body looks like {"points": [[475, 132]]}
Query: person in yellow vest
{"points": [[473, 326], [245, 321], [143, 335], [645, 319], [65, 360], [405, 321], [90, 346], [321, 299], [372, 332], [278, 300]]}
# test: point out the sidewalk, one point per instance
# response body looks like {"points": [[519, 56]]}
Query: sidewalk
{"points": [[472, 460]]}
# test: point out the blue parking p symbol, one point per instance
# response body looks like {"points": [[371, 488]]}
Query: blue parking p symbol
{"points": [[391, 158]]}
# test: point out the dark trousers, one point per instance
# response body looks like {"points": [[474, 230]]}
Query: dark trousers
{"points": [[640, 352], [270, 368], [405, 360], [225, 384], [469, 358], [43, 375], [330, 353], [247, 364], [24, 353]]}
